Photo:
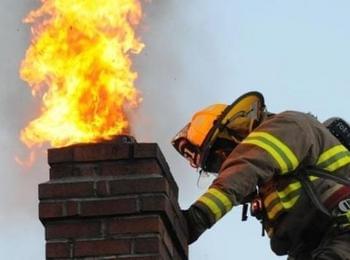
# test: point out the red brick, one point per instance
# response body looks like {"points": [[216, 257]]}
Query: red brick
{"points": [[62, 171], [142, 257], [89, 153], [151, 150], [144, 225], [66, 170], [74, 229], [121, 168], [102, 188], [135, 225], [168, 242], [71, 208], [155, 202], [66, 190], [177, 256], [50, 210], [102, 152], [148, 166], [101, 248], [58, 249], [146, 150], [160, 203], [140, 185], [151, 245], [57, 155], [108, 207], [130, 168], [147, 245]]}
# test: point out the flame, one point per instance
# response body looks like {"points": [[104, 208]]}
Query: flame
{"points": [[79, 64], [27, 162]]}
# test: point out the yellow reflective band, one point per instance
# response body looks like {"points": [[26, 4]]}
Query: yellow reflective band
{"points": [[271, 151], [217, 202], [274, 211], [289, 189], [347, 214], [334, 158], [286, 192], [215, 210], [283, 155], [272, 205], [222, 197], [338, 164], [286, 150], [330, 153], [287, 198], [313, 178], [289, 204], [283, 203], [270, 198]]}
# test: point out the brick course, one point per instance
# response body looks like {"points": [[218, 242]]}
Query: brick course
{"points": [[109, 201]]}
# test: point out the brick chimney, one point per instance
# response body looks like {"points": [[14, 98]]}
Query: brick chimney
{"points": [[111, 200]]}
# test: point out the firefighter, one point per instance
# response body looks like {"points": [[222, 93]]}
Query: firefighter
{"points": [[290, 168]]}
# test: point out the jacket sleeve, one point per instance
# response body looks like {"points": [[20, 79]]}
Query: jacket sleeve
{"points": [[277, 146]]}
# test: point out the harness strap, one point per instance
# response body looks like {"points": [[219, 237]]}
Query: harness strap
{"points": [[327, 175], [302, 176], [311, 192]]}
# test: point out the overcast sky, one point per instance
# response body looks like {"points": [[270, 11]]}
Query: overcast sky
{"points": [[197, 53]]}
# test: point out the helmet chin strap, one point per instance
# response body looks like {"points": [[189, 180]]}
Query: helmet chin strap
{"points": [[203, 174]]}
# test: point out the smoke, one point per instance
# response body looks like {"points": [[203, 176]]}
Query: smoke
{"points": [[21, 232], [178, 74]]}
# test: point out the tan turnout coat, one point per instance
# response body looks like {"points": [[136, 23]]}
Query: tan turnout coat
{"points": [[266, 160]]}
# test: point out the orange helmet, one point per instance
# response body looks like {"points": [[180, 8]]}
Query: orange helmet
{"points": [[202, 122], [215, 130]]}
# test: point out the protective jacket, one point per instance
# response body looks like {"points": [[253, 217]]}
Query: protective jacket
{"points": [[267, 161]]}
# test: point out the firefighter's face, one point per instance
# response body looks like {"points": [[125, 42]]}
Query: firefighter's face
{"points": [[218, 154]]}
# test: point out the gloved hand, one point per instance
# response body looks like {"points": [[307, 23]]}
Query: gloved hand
{"points": [[196, 223]]}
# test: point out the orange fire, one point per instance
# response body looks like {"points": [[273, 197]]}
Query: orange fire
{"points": [[79, 64]]}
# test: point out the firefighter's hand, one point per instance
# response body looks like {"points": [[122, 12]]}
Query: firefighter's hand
{"points": [[196, 223]]}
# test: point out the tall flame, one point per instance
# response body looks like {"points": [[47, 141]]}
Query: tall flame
{"points": [[79, 63]]}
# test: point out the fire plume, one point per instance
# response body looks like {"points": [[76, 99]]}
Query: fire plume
{"points": [[79, 64]]}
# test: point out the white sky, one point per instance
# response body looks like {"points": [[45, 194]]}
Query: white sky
{"points": [[197, 53]]}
